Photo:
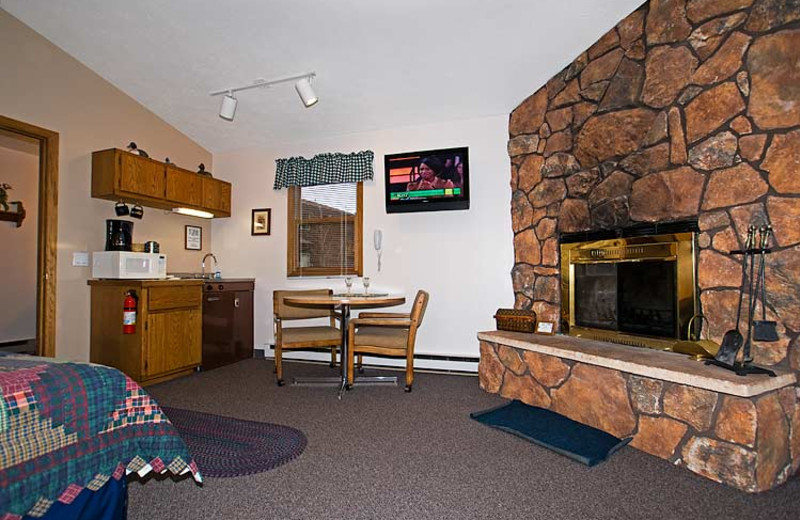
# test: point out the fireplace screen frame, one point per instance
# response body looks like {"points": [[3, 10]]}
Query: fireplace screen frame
{"points": [[678, 247]]}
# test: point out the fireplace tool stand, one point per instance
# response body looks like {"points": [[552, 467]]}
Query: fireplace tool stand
{"points": [[745, 366]]}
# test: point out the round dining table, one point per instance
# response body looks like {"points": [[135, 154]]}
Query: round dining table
{"points": [[344, 302]]}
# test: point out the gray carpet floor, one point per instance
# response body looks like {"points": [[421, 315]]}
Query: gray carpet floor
{"points": [[382, 453]]}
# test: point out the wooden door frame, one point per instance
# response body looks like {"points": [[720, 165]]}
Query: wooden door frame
{"points": [[47, 239]]}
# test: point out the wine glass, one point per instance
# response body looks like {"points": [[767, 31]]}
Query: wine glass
{"points": [[366, 285], [349, 283]]}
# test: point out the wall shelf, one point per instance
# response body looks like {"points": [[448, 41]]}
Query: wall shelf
{"points": [[14, 216]]}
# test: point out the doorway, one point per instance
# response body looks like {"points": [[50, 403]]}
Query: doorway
{"points": [[47, 229]]}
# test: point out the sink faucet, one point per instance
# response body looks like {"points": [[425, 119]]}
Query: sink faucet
{"points": [[203, 264]]}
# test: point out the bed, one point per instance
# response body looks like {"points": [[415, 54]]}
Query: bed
{"points": [[70, 433]]}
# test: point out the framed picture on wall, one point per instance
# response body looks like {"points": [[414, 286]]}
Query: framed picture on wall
{"points": [[194, 238], [261, 222]]}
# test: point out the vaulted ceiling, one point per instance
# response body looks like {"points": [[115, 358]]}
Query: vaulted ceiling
{"points": [[379, 64]]}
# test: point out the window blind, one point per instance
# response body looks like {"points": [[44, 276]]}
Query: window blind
{"points": [[325, 224]]}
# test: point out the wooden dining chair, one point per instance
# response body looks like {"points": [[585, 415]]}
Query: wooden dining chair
{"points": [[304, 337], [386, 333]]}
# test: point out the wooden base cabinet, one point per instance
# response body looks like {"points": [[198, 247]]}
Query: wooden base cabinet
{"points": [[169, 323]]}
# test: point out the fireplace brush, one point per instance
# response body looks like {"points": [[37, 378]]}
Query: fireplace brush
{"points": [[763, 329]]}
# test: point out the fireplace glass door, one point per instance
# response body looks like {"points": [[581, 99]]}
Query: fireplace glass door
{"points": [[638, 290], [632, 297]]}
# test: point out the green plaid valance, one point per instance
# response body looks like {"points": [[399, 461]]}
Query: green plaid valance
{"points": [[324, 168]]}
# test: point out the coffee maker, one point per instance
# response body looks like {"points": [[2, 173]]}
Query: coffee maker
{"points": [[119, 235]]}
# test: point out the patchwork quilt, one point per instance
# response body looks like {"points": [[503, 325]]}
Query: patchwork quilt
{"points": [[67, 426]]}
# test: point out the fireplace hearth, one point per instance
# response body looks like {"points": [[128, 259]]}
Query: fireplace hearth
{"points": [[634, 290]]}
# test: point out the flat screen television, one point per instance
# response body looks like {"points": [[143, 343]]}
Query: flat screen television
{"points": [[428, 180]]}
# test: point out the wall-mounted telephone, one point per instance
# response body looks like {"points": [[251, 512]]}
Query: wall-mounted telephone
{"points": [[377, 239]]}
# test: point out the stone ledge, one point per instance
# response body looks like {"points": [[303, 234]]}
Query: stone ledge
{"points": [[656, 364]]}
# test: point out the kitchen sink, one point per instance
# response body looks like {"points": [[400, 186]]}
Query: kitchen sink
{"points": [[193, 276]]}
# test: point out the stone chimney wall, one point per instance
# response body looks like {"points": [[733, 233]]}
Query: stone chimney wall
{"points": [[685, 109]]}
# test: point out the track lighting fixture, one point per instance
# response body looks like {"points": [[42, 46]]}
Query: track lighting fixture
{"points": [[303, 86], [228, 107]]}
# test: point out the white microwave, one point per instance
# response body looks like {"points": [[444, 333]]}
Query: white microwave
{"points": [[128, 265]]}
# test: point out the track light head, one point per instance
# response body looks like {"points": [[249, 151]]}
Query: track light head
{"points": [[228, 107], [303, 87]]}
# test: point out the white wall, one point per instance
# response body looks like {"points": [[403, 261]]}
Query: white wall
{"points": [[463, 258], [46, 87], [19, 167]]}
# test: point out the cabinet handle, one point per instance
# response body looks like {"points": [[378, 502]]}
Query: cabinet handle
{"points": [[212, 299], [236, 302]]}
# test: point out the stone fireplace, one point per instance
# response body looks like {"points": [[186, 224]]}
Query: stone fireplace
{"points": [[686, 109]]}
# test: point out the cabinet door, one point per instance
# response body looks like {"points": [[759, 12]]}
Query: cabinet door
{"points": [[217, 195], [218, 320], [184, 187], [173, 340], [225, 197], [243, 325], [141, 176]]}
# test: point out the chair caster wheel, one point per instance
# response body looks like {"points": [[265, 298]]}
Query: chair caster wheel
{"points": [[281, 382], [332, 365], [360, 370], [407, 389], [348, 387]]}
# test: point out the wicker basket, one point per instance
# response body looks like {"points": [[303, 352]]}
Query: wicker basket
{"points": [[515, 320]]}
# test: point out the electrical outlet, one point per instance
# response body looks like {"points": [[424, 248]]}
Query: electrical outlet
{"points": [[80, 259]]}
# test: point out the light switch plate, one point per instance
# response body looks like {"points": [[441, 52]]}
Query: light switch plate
{"points": [[80, 259]]}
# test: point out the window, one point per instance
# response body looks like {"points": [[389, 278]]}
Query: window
{"points": [[325, 225]]}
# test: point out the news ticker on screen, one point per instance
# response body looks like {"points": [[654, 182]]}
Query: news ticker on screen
{"points": [[445, 192]]}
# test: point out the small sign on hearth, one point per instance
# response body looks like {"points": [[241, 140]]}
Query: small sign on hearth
{"points": [[545, 327]]}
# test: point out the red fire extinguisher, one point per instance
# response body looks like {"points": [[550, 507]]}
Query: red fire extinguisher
{"points": [[129, 314]]}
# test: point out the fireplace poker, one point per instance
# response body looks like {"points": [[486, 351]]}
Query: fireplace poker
{"points": [[751, 302]]}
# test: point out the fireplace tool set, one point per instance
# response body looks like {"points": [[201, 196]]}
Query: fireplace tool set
{"points": [[758, 330]]}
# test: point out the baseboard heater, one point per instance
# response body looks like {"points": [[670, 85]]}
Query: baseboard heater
{"points": [[15, 343], [445, 360]]}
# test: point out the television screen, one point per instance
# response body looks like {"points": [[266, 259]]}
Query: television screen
{"points": [[429, 180]]}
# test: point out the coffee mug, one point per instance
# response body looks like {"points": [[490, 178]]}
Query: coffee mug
{"points": [[121, 209], [137, 211]]}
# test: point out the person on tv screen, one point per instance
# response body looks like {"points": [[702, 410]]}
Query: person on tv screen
{"points": [[430, 171]]}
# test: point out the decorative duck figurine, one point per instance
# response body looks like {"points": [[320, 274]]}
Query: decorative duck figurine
{"points": [[201, 169], [132, 148]]}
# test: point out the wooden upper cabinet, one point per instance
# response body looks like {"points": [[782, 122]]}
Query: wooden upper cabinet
{"points": [[184, 187], [140, 175], [217, 195], [119, 175]]}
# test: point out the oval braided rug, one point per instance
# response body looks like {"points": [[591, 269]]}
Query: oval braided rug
{"points": [[229, 447]]}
